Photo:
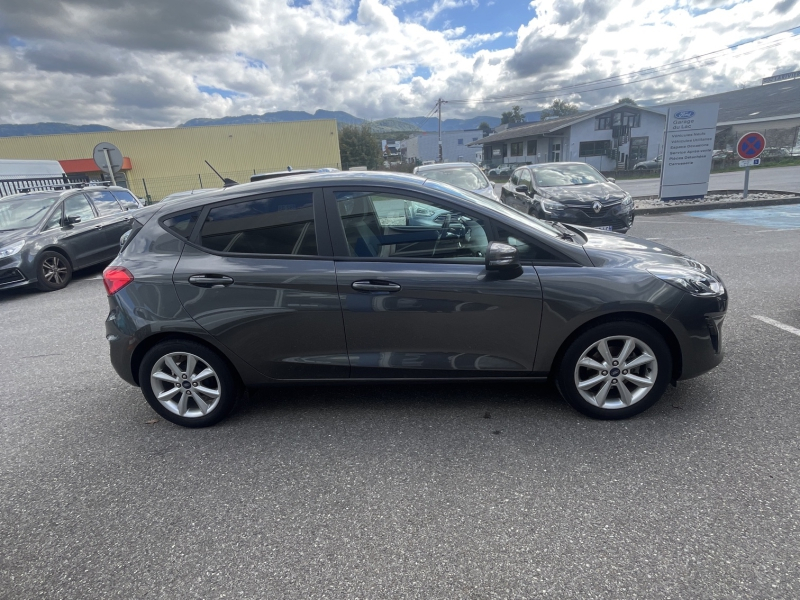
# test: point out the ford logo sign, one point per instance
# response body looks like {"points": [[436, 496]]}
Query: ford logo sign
{"points": [[684, 114]]}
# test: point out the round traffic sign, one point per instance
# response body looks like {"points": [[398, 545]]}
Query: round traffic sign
{"points": [[751, 145], [101, 158]]}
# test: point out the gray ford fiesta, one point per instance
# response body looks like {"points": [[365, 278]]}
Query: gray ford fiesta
{"points": [[334, 277]]}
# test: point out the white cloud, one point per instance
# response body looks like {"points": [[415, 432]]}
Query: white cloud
{"points": [[141, 65]]}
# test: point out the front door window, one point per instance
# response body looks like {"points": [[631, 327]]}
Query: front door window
{"points": [[555, 152], [381, 225]]}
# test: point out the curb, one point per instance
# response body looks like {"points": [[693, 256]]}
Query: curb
{"points": [[791, 198]]}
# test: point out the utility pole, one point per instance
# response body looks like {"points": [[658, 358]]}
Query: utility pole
{"points": [[439, 105]]}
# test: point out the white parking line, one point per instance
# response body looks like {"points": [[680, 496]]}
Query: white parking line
{"points": [[778, 324]]}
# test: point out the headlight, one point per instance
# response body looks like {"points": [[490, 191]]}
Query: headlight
{"points": [[12, 249], [696, 283], [627, 202], [550, 206]]}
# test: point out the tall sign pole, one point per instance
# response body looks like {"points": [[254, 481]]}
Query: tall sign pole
{"points": [[749, 148], [439, 105]]}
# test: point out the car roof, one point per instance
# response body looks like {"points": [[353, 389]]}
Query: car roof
{"points": [[442, 166], [35, 193], [305, 180]]}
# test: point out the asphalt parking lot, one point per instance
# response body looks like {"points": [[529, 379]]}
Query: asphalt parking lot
{"points": [[495, 490]]}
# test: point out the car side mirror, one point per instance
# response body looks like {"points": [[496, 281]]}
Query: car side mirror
{"points": [[522, 189], [71, 220], [611, 179], [501, 256]]}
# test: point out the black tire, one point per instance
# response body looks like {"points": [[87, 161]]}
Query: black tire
{"points": [[614, 406], [53, 271], [223, 381]]}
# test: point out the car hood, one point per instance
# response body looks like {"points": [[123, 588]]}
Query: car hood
{"points": [[601, 192], [9, 237], [606, 249]]}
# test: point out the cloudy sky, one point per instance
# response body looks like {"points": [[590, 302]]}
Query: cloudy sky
{"points": [[157, 63]]}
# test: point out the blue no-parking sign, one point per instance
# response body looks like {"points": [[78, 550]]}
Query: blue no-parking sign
{"points": [[751, 145]]}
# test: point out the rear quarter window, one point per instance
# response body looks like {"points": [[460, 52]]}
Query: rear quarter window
{"points": [[182, 225]]}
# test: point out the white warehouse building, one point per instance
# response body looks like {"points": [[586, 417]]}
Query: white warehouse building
{"points": [[455, 146]]}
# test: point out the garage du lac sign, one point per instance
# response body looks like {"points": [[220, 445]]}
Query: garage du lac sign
{"points": [[688, 147]]}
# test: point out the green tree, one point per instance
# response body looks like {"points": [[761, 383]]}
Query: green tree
{"points": [[560, 108], [485, 127], [627, 100], [513, 116], [358, 147]]}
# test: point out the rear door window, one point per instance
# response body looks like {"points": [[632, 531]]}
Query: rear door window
{"points": [[126, 199], [104, 202], [281, 225]]}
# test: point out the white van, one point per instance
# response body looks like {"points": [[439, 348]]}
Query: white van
{"points": [[16, 175]]}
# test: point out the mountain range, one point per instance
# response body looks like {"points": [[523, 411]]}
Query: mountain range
{"points": [[8, 130], [395, 124], [392, 125]]}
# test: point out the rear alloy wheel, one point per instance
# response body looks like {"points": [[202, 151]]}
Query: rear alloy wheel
{"points": [[615, 370], [53, 271], [187, 383]]}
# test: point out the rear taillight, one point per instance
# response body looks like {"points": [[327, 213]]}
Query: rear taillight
{"points": [[116, 278]]}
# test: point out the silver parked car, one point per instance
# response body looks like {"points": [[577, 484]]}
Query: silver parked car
{"points": [[465, 175]]}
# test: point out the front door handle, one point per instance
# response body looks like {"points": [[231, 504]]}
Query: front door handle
{"points": [[210, 281], [375, 286]]}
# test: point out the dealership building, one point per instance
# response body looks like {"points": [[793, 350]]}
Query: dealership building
{"points": [[158, 162]]}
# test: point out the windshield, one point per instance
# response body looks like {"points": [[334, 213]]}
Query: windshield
{"points": [[560, 175], [469, 178], [521, 218], [24, 212]]}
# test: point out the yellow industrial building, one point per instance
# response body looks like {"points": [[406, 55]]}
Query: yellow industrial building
{"points": [[159, 162]]}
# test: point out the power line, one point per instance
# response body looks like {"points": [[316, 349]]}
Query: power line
{"points": [[546, 94]]}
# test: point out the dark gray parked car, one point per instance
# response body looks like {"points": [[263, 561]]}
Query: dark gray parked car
{"points": [[325, 277], [574, 193], [46, 235]]}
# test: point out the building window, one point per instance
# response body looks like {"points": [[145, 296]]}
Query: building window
{"points": [[603, 123], [598, 148], [474, 139], [516, 149], [630, 120], [460, 141], [531, 147]]}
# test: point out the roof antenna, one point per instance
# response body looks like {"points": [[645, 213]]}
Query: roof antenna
{"points": [[225, 181]]}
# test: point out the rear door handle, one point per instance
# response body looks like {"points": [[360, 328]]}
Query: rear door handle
{"points": [[98, 226], [375, 286], [210, 281]]}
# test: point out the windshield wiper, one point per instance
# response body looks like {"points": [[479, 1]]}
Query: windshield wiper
{"points": [[566, 234]]}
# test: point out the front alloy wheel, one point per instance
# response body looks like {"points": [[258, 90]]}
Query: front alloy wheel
{"points": [[615, 370], [53, 271]]}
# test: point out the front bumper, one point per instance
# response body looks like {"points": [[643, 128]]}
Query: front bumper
{"points": [[698, 326], [15, 271], [609, 216]]}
